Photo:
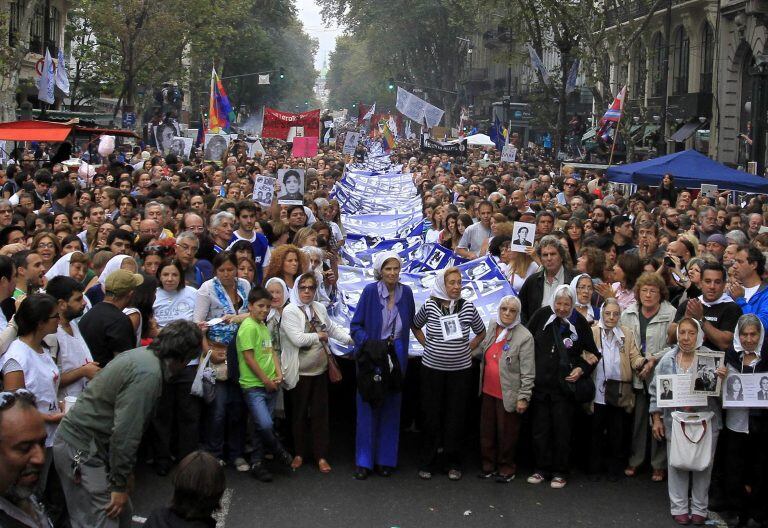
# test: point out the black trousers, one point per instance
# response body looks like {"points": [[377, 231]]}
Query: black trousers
{"points": [[177, 419], [445, 396], [607, 445], [551, 426], [747, 463]]}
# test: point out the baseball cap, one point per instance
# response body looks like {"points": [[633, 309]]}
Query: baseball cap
{"points": [[717, 238], [122, 281]]}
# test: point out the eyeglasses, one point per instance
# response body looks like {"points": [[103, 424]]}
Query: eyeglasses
{"points": [[7, 399], [55, 316], [307, 288], [46, 245], [570, 184]]}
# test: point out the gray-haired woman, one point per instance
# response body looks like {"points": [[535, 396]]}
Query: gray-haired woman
{"points": [[507, 371]]}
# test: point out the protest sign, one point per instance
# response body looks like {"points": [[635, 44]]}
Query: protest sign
{"points": [[509, 153], [277, 124], [304, 147], [746, 390], [264, 190], [350, 142], [291, 187], [674, 390], [417, 108], [523, 235], [215, 146], [705, 380], [181, 146], [709, 190], [438, 147]]}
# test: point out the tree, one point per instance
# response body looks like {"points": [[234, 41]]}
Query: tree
{"points": [[11, 57], [352, 78]]}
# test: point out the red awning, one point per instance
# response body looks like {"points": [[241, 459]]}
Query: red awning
{"points": [[34, 131], [108, 131]]}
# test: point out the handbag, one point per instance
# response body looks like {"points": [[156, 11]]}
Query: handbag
{"points": [[334, 372], [204, 384], [691, 443], [583, 389]]}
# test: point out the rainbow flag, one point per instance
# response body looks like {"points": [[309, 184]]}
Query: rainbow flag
{"points": [[387, 138], [220, 113]]}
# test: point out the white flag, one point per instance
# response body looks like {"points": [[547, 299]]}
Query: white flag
{"points": [[538, 64], [369, 114], [392, 126], [62, 76], [264, 79], [47, 81]]}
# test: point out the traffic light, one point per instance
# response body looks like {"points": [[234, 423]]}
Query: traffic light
{"points": [[391, 84], [282, 73]]}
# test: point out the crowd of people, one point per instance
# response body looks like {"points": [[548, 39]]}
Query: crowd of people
{"points": [[153, 307]]}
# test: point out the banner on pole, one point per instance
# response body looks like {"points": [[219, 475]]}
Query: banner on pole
{"points": [[417, 108], [277, 124], [454, 149]]}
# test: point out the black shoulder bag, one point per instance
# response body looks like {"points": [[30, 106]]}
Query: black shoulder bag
{"points": [[581, 390]]}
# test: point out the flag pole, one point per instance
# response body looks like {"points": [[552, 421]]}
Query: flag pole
{"points": [[618, 126]]}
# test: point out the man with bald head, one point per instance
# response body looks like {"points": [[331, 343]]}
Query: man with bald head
{"points": [[149, 227], [520, 202]]}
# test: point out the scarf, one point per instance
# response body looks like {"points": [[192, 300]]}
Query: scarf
{"points": [[114, 264], [506, 328], [439, 291], [699, 336], [380, 259], [744, 320], [563, 289], [724, 298], [286, 294], [60, 268], [574, 284], [306, 308]]}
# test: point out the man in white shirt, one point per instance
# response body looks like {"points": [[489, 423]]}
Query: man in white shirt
{"points": [[7, 285], [474, 236], [73, 355]]}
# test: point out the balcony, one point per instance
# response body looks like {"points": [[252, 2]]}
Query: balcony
{"points": [[633, 10]]}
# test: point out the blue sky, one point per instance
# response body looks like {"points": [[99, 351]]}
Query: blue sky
{"points": [[309, 14]]}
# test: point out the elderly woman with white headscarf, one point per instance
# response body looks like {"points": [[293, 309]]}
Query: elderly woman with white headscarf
{"points": [[96, 292], [614, 397], [383, 316], [507, 370], [446, 371], [304, 333], [562, 381], [680, 359], [747, 428]]}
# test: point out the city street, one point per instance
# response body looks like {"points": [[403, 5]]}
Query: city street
{"points": [[309, 499]]}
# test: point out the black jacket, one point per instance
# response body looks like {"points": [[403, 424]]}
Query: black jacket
{"points": [[533, 290], [548, 369]]}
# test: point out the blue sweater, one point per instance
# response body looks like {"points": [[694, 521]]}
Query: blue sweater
{"points": [[366, 322], [758, 304]]}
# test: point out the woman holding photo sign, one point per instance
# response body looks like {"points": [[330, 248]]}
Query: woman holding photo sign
{"points": [[681, 359], [446, 371], [748, 428]]}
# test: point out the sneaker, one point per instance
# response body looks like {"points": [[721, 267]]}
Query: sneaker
{"points": [[425, 475], [285, 458], [222, 462], [241, 465], [260, 473], [536, 478], [557, 483], [454, 474], [486, 474], [505, 479]]}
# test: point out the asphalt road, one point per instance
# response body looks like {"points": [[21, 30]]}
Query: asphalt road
{"points": [[309, 499]]}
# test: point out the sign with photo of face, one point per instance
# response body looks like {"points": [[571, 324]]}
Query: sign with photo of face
{"points": [[291, 186], [523, 235]]}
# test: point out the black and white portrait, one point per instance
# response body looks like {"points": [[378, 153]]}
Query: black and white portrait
{"points": [[181, 146], [451, 327], [479, 271], [164, 134], [665, 390], [291, 186], [762, 392], [705, 379], [435, 259], [734, 388], [263, 190], [215, 147], [523, 235]]}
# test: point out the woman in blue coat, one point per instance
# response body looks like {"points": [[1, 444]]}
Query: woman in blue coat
{"points": [[386, 308]]}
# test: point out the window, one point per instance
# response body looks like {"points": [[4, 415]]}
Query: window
{"points": [[14, 21], [657, 66], [639, 72], [680, 60], [37, 30], [52, 33], [707, 58]]}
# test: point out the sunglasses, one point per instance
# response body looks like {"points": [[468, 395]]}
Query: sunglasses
{"points": [[307, 288], [7, 399]]}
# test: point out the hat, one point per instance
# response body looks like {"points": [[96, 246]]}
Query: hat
{"points": [[717, 238], [122, 281], [145, 155]]}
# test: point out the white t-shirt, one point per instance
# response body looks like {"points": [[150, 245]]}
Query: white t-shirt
{"points": [[3, 321], [170, 306], [73, 354], [749, 292], [41, 378]]}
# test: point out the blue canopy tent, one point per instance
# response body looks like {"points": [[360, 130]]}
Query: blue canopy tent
{"points": [[690, 170]]}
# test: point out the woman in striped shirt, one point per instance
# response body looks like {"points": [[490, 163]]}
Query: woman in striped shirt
{"points": [[446, 371]]}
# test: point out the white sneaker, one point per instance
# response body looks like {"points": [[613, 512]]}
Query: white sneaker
{"points": [[241, 465], [536, 478], [557, 483]]}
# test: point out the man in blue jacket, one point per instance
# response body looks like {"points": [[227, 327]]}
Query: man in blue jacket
{"points": [[747, 287]]}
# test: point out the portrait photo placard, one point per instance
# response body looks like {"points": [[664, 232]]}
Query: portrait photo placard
{"points": [[746, 390], [674, 390], [291, 187], [451, 327], [705, 381], [264, 190], [523, 236]]}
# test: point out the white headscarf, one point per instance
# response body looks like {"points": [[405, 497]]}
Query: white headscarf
{"points": [[748, 319], [439, 291], [616, 331], [286, 294], [60, 268], [699, 335], [574, 284], [380, 258], [506, 328], [563, 289], [113, 264], [296, 299]]}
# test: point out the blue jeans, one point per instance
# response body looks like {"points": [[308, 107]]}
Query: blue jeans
{"points": [[261, 405], [225, 422]]}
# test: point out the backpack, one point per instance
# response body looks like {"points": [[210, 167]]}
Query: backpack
{"points": [[378, 371]]}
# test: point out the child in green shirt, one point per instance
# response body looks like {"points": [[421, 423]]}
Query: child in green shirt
{"points": [[260, 379]]}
